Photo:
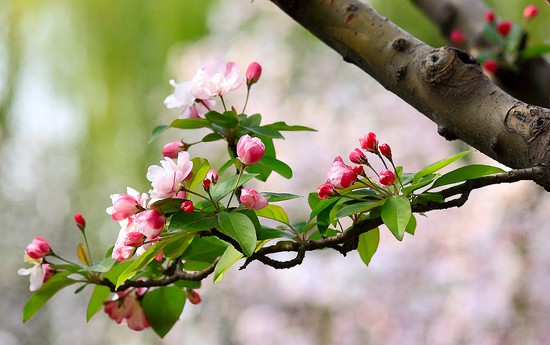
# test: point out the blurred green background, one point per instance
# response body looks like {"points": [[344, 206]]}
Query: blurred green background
{"points": [[81, 87]]}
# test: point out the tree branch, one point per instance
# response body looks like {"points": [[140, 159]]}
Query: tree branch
{"points": [[531, 83], [445, 84]]}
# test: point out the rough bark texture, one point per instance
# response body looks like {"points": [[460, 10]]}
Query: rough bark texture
{"points": [[445, 84], [531, 83]]}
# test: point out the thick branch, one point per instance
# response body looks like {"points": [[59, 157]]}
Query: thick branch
{"points": [[445, 84], [531, 83]]}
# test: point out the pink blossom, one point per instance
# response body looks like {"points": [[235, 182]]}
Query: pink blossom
{"points": [[150, 223], [38, 248], [172, 149], [39, 273], [126, 205], [250, 150], [251, 199], [490, 16], [167, 179], [199, 108], [182, 98], [368, 142], [122, 252], [216, 78], [387, 177], [358, 157], [127, 306], [340, 175], [325, 190], [490, 66], [134, 239], [253, 73]]}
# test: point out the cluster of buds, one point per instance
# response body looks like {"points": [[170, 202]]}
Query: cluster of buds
{"points": [[342, 176]]}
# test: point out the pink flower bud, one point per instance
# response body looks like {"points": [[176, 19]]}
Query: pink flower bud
{"points": [[251, 199], [250, 150], [206, 183], [504, 27], [126, 205], [340, 175], [358, 157], [80, 221], [172, 149], [387, 177], [359, 170], [490, 16], [134, 239], [457, 37], [187, 206], [48, 272], [325, 190], [490, 66], [368, 142], [253, 73], [150, 223], [385, 150], [212, 175], [530, 12], [38, 248], [193, 296]]}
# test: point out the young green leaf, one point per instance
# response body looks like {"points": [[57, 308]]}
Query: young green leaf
{"points": [[468, 172], [275, 197], [368, 244], [158, 130], [359, 207], [268, 132], [273, 212], [240, 228], [282, 126], [396, 213], [99, 295], [229, 257], [163, 307], [228, 119], [226, 185], [535, 51], [411, 226], [201, 167], [278, 166], [190, 123], [204, 249], [430, 169], [57, 282], [140, 262]]}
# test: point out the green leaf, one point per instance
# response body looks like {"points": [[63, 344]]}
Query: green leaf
{"points": [[317, 205], [268, 132], [278, 166], [163, 307], [359, 207], [273, 212], [229, 257], [99, 295], [190, 123], [199, 171], [423, 181], [535, 51], [101, 267], [204, 249], [158, 130], [226, 185], [46, 291], [513, 39], [281, 126], [368, 244], [491, 34], [140, 262], [119, 267], [430, 169], [275, 197], [240, 228], [212, 137], [468, 172], [268, 233], [252, 120], [165, 206], [227, 164], [411, 226], [177, 245], [396, 213], [228, 119]]}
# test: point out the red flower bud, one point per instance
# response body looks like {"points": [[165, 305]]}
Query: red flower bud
{"points": [[253, 73], [368, 142], [457, 37], [530, 12], [490, 66], [325, 190], [80, 221], [358, 157], [504, 27], [385, 150], [193, 296], [187, 206], [38, 248], [387, 177], [359, 170], [490, 16]]}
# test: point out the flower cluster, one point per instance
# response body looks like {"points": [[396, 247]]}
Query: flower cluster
{"points": [[126, 306], [506, 37], [342, 176]]}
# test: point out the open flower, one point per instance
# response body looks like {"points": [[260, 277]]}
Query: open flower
{"points": [[168, 178], [39, 273], [183, 99], [126, 205], [216, 78], [126, 306]]}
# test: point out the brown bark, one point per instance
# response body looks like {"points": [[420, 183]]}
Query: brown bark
{"points": [[531, 83], [445, 84]]}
